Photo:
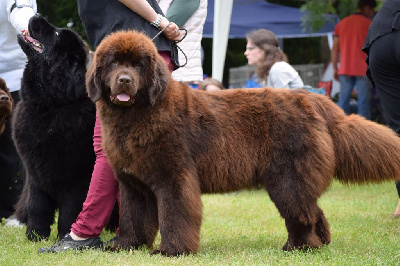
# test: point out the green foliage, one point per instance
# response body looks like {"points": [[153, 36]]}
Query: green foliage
{"points": [[246, 229], [62, 14], [345, 7], [314, 11]]}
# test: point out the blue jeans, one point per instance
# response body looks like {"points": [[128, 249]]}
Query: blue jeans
{"points": [[363, 87]]}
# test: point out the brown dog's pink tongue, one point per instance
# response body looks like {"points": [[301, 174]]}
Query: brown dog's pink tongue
{"points": [[123, 97]]}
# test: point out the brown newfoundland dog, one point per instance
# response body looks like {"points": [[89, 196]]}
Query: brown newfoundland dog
{"points": [[6, 105], [168, 144]]}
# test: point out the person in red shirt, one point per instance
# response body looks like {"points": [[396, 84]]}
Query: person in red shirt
{"points": [[348, 40]]}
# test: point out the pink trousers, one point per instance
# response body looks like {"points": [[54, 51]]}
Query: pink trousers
{"points": [[103, 190]]}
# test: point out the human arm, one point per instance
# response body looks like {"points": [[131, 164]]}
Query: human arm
{"points": [[21, 13], [334, 57], [143, 9]]}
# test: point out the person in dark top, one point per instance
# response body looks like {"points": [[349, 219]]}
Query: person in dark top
{"points": [[99, 19], [382, 46]]}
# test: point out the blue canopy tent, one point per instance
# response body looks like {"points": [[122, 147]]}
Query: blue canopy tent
{"points": [[234, 18]]}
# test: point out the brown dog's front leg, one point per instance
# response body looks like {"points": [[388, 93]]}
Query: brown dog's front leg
{"points": [[138, 216], [180, 219]]}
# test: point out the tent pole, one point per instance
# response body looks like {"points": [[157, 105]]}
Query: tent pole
{"points": [[222, 20]]}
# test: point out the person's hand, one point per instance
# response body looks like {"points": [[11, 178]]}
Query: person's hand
{"points": [[335, 74], [171, 31]]}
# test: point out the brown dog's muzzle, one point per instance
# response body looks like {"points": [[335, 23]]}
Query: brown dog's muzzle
{"points": [[5, 104], [4, 98], [122, 91]]}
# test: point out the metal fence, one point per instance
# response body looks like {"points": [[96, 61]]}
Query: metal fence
{"points": [[310, 74]]}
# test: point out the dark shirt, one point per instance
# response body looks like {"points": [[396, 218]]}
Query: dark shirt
{"points": [[102, 17], [385, 21]]}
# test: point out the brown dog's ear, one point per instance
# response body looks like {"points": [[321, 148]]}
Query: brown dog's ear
{"points": [[93, 81], [3, 86], [11, 98], [159, 82]]}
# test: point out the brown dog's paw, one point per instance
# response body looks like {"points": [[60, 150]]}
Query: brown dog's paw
{"points": [[164, 253], [169, 253], [302, 247]]}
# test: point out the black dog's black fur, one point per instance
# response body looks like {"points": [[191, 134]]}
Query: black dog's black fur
{"points": [[53, 129]]}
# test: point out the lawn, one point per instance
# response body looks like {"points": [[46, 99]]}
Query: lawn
{"points": [[246, 229]]}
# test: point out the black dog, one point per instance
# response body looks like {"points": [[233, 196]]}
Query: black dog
{"points": [[53, 128]]}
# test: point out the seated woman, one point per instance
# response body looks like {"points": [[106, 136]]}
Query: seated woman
{"points": [[272, 69]]}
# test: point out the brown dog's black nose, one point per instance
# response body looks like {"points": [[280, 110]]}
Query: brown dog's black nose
{"points": [[4, 98], [124, 79]]}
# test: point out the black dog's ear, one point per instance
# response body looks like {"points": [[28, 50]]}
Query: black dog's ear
{"points": [[159, 82], [93, 82]]}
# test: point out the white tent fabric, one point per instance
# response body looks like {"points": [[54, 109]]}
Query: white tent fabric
{"points": [[222, 20]]}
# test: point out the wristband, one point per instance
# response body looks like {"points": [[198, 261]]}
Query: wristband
{"points": [[156, 23]]}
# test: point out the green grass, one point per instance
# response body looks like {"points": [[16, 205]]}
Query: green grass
{"points": [[246, 229]]}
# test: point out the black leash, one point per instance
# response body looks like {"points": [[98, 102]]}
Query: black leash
{"points": [[176, 42]]}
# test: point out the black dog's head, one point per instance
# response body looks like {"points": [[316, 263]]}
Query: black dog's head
{"points": [[6, 104], [56, 62], [51, 43]]}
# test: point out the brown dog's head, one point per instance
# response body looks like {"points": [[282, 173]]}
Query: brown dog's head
{"points": [[6, 104], [127, 70]]}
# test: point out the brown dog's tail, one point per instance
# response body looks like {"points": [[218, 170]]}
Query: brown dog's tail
{"points": [[365, 151]]}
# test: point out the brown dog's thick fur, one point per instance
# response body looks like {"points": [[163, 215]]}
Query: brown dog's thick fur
{"points": [[6, 104], [168, 144]]}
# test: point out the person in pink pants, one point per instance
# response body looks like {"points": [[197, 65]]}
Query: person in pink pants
{"points": [[102, 193]]}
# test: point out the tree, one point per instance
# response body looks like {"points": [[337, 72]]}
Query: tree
{"points": [[62, 14], [314, 19], [314, 14]]}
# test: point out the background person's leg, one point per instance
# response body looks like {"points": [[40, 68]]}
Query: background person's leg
{"points": [[346, 88], [364, 88]]}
